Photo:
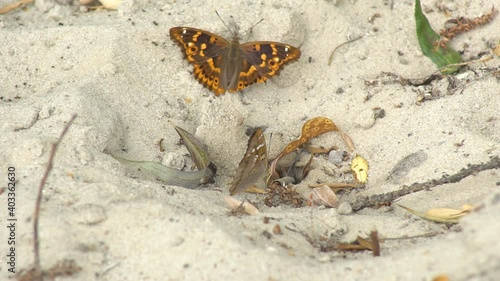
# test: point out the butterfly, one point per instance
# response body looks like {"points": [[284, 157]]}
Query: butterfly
{"points": [[254, 165], [221, 65]]}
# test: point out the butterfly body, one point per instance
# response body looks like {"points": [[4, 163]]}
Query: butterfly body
{"points": [[221, 65], [232, 63]]}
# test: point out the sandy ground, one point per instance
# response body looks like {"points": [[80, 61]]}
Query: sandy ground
{"points": [[124, 77]]}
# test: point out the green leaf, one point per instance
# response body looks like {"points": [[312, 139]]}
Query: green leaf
{"points": [[189, 179], [196, 149], [170, 176], [428, 40]]}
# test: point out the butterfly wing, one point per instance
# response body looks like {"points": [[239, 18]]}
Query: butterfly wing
{"points": [[262, 60], [253, 166], [204, 50]]}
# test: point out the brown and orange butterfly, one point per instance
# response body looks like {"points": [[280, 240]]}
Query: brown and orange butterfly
{"points": [[222, 65]]}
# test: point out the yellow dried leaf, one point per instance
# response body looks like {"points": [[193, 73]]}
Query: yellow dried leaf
{"points": [[442, 215], [359, 167], [441, 277]]}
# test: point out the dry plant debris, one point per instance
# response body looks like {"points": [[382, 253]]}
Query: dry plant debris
{"points": [[461, 24], [236, 206], [13, 6], [361, 244], [375, 200], [442, 215]]}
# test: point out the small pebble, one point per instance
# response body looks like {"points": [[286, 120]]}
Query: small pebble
{"points": [[344, 208], [336, 157], [90, 214]]}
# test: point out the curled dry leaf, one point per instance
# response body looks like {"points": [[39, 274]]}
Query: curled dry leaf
{"points": [[235, 205], [359, 167], [311, 129], [347, 139], [325, 196], [442, 215]]}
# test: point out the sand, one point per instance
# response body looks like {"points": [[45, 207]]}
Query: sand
{"points": [[126, 80]]}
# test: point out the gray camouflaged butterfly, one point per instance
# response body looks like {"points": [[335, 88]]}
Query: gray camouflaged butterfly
{"points": [[254, 165]]}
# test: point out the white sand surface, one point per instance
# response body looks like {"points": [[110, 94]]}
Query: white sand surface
{"points": [[126, 80]]}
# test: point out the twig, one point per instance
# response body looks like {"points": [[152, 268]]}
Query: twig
{"points": [[334, 50], [375, 241], [374, 200], [39, 196], [11, 7]]}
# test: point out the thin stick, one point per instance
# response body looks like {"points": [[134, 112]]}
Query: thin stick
{"points": [[38, 268], [374, 200], [334, 50], [375, 241]]}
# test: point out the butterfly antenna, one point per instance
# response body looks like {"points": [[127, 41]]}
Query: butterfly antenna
{"points": [[225, 23], [252, 26]]}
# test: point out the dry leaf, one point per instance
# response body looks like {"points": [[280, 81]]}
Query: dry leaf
{"points": [[358, 245], [359, 167], [277, 229], [110, 4], [442, 215], [363, 244], [325, 196], [311, 129], [11, 7], [347, 139], [320, 150], [235, 205], [441, 277]]}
